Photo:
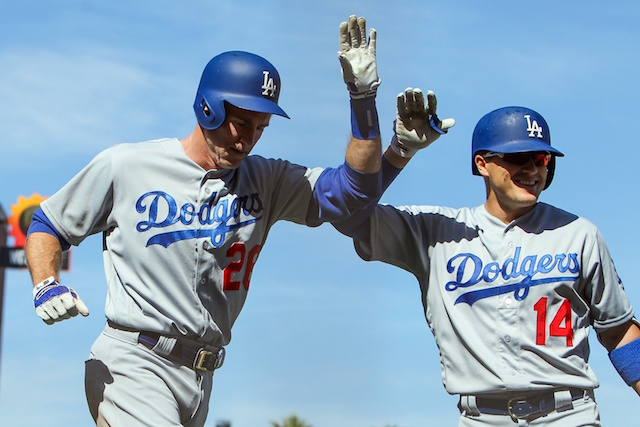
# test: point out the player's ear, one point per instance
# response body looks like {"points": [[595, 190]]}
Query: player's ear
{"points": [[481, 164]]}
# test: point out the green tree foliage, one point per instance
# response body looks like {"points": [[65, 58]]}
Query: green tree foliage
{"points": [[291, 421]]}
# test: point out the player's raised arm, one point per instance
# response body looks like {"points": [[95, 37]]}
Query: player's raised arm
{"points": [[354, 185], [357, 57]]}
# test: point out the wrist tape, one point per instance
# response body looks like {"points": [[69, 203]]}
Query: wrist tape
{"points": [[626, 360], [364, 118]]}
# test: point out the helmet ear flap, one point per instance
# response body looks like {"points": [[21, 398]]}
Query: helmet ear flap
{"points": [[551, 169], [208, 115]]}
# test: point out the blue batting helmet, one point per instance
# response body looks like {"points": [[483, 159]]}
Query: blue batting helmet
{"points": [[513, 130], [242, 79]]}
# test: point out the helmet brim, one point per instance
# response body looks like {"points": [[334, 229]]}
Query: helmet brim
{"points": [[251, 103], [526, 146]]}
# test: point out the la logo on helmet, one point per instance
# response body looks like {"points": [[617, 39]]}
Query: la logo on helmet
{"points": [[533, 128], [268, 87]]}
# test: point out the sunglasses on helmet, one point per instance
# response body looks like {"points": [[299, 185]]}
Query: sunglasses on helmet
{"points": [[539, 158]]}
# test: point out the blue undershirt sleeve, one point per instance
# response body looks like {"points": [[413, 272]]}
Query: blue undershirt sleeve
{"points": [[389, 174], [341, 191], [41, 224]]}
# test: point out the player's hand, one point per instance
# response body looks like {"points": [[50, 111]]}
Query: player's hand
{"points": [[358, 58], [55, 302], [417, 124]]}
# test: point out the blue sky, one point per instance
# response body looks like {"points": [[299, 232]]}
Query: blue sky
{"points": [[338, 341]]}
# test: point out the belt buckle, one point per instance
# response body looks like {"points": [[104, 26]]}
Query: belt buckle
{"points": [[519, 408], [207, 360]]}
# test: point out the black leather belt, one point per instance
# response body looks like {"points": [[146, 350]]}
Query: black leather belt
{"points": [[195, 357], [526, 406]]}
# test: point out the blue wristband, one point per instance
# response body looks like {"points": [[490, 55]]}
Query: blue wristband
{"points": [[364, 118], [626, 360]]}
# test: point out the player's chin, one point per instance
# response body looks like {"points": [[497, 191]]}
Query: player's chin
{"points": [[234, 160], [525, 198]]}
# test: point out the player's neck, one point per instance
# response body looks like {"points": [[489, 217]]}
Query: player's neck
{"points": [[506, 214], [196, 149]]}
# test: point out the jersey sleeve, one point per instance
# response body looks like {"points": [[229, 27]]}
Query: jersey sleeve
{"points": [[396, 236], [610, 305], [82, 206]]}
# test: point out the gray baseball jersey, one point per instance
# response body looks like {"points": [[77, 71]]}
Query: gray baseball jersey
{"points": [[510, 306], [180, 243]]}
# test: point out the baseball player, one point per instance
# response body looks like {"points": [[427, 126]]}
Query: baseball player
{"points": [[183, 224], [511, 288]]}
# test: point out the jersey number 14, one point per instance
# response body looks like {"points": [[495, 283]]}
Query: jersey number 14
{"points": [[560, 326]]}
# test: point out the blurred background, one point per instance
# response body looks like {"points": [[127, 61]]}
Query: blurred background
{"points": [[324, 336]]}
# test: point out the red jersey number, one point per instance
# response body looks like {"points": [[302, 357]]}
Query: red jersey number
{"points": [[560, 326], [241, 261]]}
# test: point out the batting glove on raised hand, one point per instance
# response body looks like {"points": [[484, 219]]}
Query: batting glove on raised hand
{"points": [[55, 302], [358, 58], [417, 125]]}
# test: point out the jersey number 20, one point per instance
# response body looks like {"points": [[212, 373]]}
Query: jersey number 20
{"points": [[245, 261]]}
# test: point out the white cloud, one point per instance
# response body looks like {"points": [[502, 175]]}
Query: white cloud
{"points": [[77, 102]]}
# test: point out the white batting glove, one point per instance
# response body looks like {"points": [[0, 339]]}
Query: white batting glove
{"points": [[417, 125], [358, 58], [55, 302]]}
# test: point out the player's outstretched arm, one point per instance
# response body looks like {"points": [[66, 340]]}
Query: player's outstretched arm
{"points": [[357, 57], [623, 343], [52, 301], [416, 127]]}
